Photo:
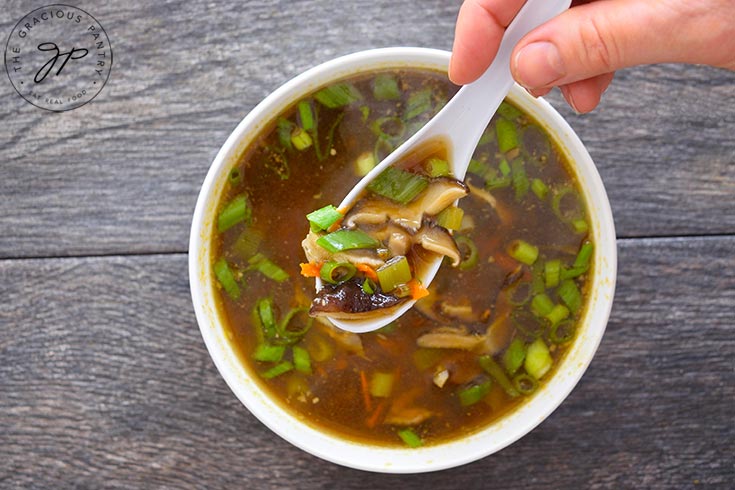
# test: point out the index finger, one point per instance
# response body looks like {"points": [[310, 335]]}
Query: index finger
{"points": [[480, 27]]}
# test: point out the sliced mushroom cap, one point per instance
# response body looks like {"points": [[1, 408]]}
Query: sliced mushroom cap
{"points": [[316, 253], [440, 193], [450, 338], [438, 240], [349, 301]]}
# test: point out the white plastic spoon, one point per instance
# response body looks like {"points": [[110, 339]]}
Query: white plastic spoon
{"points": [[459, 125]]}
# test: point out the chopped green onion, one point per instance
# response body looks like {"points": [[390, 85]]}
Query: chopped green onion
{"points": [[337, 272], [306, 115], [523, 251], [418, 103], [385, 87], [393, 273], [330, 139], [539, 188], [389, 127], [570, 295], [267, 317], [235, 177], [564, 209], [479, 168], [552, 273], [519, 179], [557, 314], [504, 167], [493, 181], [584, 255], [580, 226], [410, 438], [538, 359], [268, 268], [247, 243], [402, 291], [289, 334], [398, 185], [364, 163], [525, 384], [323, 218], [541, 305], [277, 162], [450, 218], [493, 369], [368, 286], [269, 353], [468, 251], [338, 95], [301, 139], [236, 211], [278, 370], [424, 358], [436, 167], [537, 278], [364, 112], [284, 129], [301, 359], [381, 384], [226, 278], [514, 356], [475, 393], [507, 135], [508, 111], [519, 293], [382, 148], [562, 332], [341, 240]]}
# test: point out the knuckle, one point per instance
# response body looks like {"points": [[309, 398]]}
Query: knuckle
{"points": [[599, 47]]}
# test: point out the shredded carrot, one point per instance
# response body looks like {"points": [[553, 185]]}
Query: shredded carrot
{"points": [[368, 271], [365, 391], [372, 421], [310, 269], [417, 289], [335, 226]]}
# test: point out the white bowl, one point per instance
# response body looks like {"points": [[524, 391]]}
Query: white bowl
{"points": [[359, 455]]}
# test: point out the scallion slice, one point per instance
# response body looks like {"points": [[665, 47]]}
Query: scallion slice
{"points": [[226, 278], [236, 211], [300, 139], [364, 163], [514, 356], [338, 95], [306, 115], [417, 104], [268, 268], [269, 353], [450, 218], [507, 135], [557, 314], [525, 384], [570, 295], [398, 185], [368, 286], [323, 218], [381, 384], [341, 240], [267, 317], [468, 251], [508, 111], [394, 273], [493, 369], [538, 359], [291, 329], [301, 359], [436, 167], [235, 177], [519, 179], [475, 393], [523, 251], [539, 188], [552, 273], [337, 272], [385, 87], [410, 438], [562, 332], [541, 305], [278, 370]]}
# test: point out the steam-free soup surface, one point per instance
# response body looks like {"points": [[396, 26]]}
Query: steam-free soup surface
{"points": [[491, 330]]}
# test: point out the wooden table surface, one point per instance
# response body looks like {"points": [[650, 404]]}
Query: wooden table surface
{"points": [[104, 378]]}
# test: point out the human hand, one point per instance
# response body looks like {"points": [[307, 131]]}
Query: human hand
{"points": [[580, 49]]}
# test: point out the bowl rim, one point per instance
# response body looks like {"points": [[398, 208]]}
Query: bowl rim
{"points": [[359, 455]]}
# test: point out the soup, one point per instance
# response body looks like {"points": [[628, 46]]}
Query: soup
{"points": [[489, 331]]}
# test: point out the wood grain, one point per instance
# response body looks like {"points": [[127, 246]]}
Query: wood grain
{"points": [[121, 174], [106, 382]]}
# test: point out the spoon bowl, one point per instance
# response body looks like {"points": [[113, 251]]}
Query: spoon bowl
{"points": [[459, 126]]}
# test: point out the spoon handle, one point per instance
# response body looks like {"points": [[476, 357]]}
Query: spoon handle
{"points": [[464, 119]]}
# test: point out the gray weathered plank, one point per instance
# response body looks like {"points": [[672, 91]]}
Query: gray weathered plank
{"points": [[106, 382], [121, 174]]}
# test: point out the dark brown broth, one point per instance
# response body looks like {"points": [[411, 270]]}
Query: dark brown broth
{"points": [[331, 398]]}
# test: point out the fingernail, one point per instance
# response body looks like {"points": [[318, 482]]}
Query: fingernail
{"points": [[539, 65], [568, 95]]}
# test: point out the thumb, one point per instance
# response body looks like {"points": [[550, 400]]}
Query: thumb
{"points": [[602, 36]]}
